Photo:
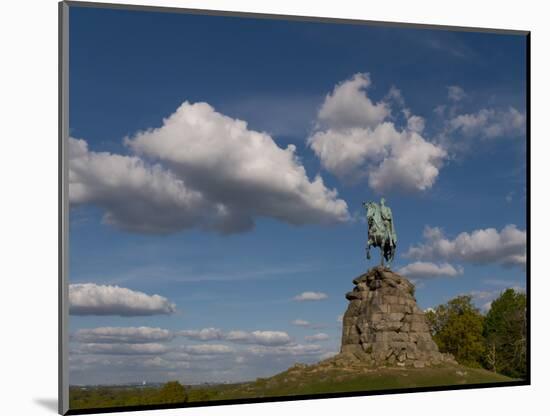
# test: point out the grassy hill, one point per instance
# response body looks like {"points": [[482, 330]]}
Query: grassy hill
{"points": [[307, 380], [321, 378]]}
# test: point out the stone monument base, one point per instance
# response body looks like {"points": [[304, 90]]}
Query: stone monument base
{"points": [[383, 325]]}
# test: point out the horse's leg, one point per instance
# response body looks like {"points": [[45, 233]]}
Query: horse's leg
{"points": [[388, 254], [391, 255], [381, 245], [368, 249]]}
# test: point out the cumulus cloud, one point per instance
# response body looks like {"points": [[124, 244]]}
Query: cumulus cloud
{"points": [[259, 337], [125, 335], [301, 322], [238, 336], [160, 363], [349, 106], [288, 350], [321, 336], [416, 123], [368, 145], [455, 93], [506, 247], [205, 334], [427, 270], [208, 349], [94, 299], [121, 349], [489, 123], [135, 196], [200, 169], [242, 172], [500, 282], [305, 296]]}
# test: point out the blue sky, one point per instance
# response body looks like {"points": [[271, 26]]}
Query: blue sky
{"points": [[440, 134]]}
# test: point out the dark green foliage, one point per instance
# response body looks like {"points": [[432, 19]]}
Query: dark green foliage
{"points": [[172, 392], [497, 341], [505, 331], [457, 328]]}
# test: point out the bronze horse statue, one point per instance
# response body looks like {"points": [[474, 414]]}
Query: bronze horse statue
{"points": [[381, 232]]}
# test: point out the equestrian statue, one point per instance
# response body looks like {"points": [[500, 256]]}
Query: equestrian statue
{"points": [[381, 231]]}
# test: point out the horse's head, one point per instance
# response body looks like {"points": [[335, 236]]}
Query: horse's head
{"points": [[371, 209]]}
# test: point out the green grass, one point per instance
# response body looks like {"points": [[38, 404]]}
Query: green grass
{"points": [[297, 380], [306, 382]]}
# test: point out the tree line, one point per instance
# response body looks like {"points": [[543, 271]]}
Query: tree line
{"points": [[95, 397], [496, 341]]}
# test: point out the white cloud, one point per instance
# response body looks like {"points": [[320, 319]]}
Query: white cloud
{"points": [[142, 363], [292, 350], [208, 349], [484, 294], [489, 123], [301, 322], [340, 318], [395, 95], [506, 247], [305, 296], [209, 171], [416, 123], [161, 363], [242, 172], [121, 349], [426, 270], [455, 93], [135, 196], [440, 110], [321, 336], [93, 299], [238, 336], [205, 334], [371, 147], [259, 337], [128, 335], [500, 282], [349, 106]]}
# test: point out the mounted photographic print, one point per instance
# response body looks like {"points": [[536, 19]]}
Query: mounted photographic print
{"points": [[265, 208]]}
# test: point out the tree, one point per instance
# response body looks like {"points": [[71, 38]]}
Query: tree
{"points": [[172, 392], [505, 330], [457, 328]]}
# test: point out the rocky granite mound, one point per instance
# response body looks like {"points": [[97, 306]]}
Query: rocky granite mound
{"points": [[383, 325]]}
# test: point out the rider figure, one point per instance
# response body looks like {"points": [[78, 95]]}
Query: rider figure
{"points": [[386, 214], [381, 230]]}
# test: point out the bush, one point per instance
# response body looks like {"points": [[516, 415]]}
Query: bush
{"points": [[457, 328], [172, 392]]}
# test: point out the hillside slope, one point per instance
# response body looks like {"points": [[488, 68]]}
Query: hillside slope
{"points": [[325, 378]]}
